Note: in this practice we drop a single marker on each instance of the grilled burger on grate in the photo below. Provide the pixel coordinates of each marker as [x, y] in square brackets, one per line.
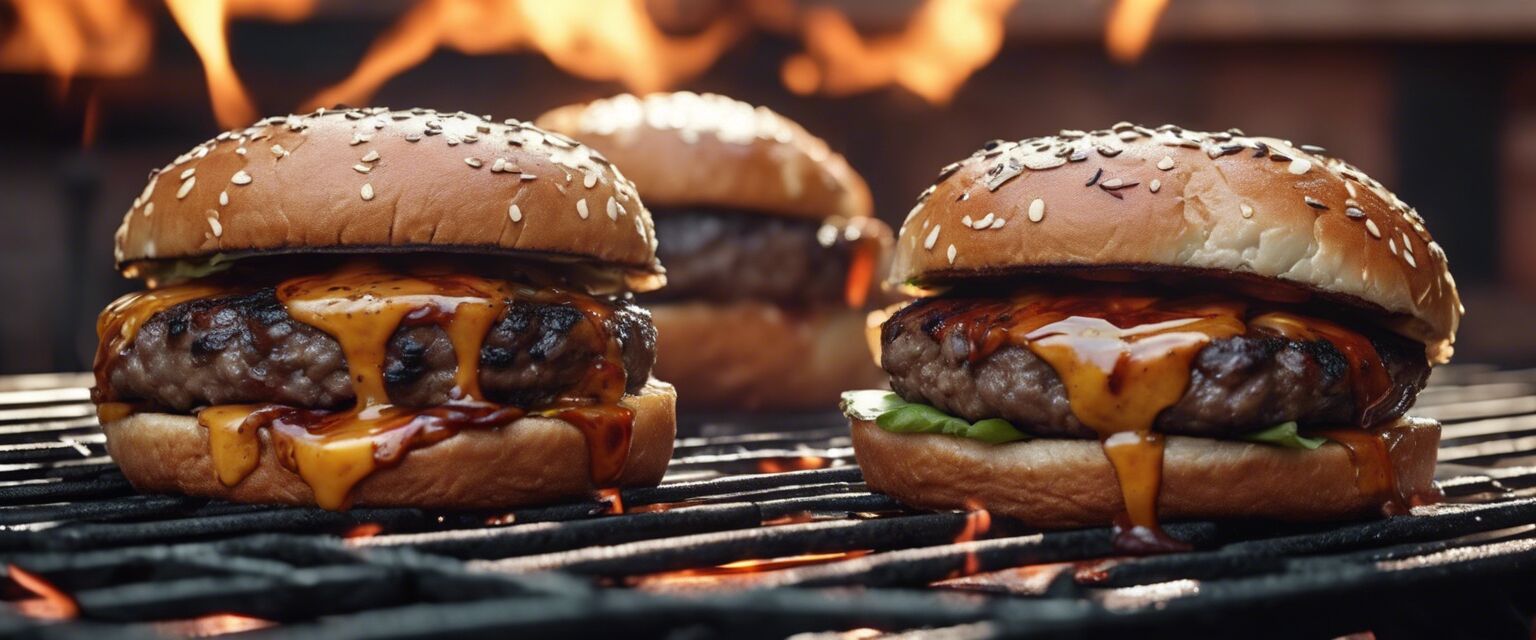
[1240, 323]
[769, 244]
[390, 308]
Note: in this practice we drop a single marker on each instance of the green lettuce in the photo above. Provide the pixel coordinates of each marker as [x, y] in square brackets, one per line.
[890, 412]
[893, 414]
[1285, 435]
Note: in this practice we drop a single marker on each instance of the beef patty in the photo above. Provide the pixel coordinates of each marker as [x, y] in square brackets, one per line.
[729, 256]
[1237, 385]
[245, 348]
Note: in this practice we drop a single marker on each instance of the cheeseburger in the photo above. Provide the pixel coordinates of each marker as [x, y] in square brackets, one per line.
[1133, 324]
[769, 245]
[385, 308]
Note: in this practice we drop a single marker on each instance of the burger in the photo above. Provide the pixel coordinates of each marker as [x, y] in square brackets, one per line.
[1133, 324]
[385, 308]
[769, 245]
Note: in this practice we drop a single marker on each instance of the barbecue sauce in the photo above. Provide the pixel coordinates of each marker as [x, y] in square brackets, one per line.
[362, 307]
[1123, 359]
[119, 324]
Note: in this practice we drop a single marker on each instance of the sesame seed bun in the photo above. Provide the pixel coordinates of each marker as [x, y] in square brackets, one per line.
[1057, 483]
[687, 149]
[359, 180]
[757, 355]
[531, 461]
[1172, 199]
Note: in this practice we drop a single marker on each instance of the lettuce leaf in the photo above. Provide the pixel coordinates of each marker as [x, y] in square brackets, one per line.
[896, 415]
[1285, 435]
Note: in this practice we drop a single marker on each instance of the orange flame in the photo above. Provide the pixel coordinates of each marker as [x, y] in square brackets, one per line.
[1130, 27]
[739, 574]
[51, 603]
[203, 22]
[942, 44]
[612, 40]
[780, 465]
[613, 498]
[70, 37]
[215, 624]
[364, 530]
[977, 522]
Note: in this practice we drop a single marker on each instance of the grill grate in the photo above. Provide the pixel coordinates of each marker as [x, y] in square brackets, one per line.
[758, 532]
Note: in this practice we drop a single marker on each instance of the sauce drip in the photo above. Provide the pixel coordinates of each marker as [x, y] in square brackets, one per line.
[362, 306]
[1123, 359]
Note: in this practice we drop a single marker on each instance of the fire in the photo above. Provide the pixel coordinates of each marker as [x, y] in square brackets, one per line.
[215, 624]
[364, 530]
[610, 40]
[977, 522]
[942, 44]
[66, 38]
[780, 465]
[204, 22]
[50, 603]
[739, 574]
[613, 499]
[1130, 27]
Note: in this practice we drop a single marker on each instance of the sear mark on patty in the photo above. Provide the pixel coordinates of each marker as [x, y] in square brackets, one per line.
[1237, 385]
[245, 348]
[729, 256]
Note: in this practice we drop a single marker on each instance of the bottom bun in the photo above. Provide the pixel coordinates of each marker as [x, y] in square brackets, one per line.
[531, 461]
[757, 355]
[1056, 483]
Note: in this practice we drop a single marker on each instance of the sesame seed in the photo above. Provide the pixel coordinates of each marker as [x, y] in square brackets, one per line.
[527, 176]
[473, 162]
[1247, 210]
[240, 151]
[613, 209]
[279, 151]
[240, 177]
[998, 223]
[951, 254]
[1392, 245]
[1155, 186]
[581, 208]
[1036, 210]
[589, 180]
[149, 209]
[1112, 183]
[361, 168]
[186, 187]
[223, 198]
[1370, 225]
[1350, 187]
[188, 173]
[1408, 257]
[412, 137]
[1354, 212]
[371, 156]
[218, 229]
[1300, 166]
[358, 138]
[1166, 163]
[933, 236]
[966, 221]
[498, 165]
[515, 213]
[1314, 203]
[367, 191]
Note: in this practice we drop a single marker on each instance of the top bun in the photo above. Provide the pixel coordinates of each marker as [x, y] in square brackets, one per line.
[687, 149]
[370, 179]
[1137, 198]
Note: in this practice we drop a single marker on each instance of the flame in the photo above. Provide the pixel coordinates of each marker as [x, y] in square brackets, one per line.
[66, 38]
[611, 40]
[738, 574]
[780, 465]
[203, 22]
[214, 624]
[364, 530]
[1130, 27]
[614, 500]
[942, 44]
[51, 603]
[977, 522]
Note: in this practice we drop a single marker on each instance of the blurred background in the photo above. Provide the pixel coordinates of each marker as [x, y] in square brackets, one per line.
[1436, 98]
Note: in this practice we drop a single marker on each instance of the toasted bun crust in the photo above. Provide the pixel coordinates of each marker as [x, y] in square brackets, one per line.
[754, 355]
[531, 461]
[1221, 202]
[1055, 483]
[365, 178]
[687, 149]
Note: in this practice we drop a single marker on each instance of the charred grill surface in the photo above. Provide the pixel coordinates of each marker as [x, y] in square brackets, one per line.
[729, 256]
[1237, 385]
[245, 348]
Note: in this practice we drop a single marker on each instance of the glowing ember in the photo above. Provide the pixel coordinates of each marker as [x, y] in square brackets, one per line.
[50, 603]
[736, 575]
[613, 499]
[501, 520]
[364, 530]
[780, 465]
[942, 44]
[216, 624]
[1130, 27]
[70, 37]
[612, 40]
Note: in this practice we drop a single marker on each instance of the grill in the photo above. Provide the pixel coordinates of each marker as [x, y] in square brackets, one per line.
[763, 528]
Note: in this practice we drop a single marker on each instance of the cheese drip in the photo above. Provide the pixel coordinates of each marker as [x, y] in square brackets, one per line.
[1123, 359]
[362, 307]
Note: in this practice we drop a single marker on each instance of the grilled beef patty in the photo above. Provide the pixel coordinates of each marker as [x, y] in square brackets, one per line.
[727, 256]
[245, 348]
[1237, 385]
